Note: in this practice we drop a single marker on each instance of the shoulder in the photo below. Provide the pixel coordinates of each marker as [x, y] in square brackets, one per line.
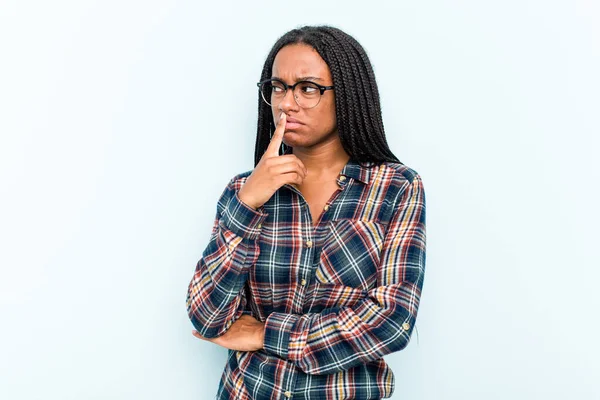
[400, 174]
[406, 186]
[399, 181]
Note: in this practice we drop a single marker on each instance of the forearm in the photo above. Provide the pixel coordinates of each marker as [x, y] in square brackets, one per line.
[341, 338]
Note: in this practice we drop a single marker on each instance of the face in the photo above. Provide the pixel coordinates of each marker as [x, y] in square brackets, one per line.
[298, 62]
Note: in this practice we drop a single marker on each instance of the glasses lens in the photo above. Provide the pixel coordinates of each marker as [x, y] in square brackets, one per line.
[272, 92]
[307, 94]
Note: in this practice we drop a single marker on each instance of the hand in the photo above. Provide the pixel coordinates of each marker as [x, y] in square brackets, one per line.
[272, 171]
[245, 334]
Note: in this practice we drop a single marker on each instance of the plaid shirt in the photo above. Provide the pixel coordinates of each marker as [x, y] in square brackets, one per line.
[335, 297]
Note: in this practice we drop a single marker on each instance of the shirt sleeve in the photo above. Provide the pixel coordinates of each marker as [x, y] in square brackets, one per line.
[216, 292]
[339, 338]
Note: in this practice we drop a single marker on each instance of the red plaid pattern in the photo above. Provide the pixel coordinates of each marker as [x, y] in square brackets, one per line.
[335, 298]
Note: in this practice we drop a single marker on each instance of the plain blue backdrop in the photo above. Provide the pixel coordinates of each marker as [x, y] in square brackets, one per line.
[122, 121]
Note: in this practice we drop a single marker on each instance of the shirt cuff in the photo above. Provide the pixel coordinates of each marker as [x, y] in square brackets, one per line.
[242, 219]
[278, 327]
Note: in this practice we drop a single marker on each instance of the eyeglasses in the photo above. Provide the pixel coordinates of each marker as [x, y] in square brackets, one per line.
[307, 94]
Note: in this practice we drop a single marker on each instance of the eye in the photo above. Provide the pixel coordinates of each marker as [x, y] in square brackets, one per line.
[277, 87]
[309, 88]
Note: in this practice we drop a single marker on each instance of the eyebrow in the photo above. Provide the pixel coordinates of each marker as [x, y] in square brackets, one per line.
[301, 78]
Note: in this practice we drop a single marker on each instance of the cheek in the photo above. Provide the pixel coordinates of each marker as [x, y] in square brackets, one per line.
[333, 117]
[327, 117]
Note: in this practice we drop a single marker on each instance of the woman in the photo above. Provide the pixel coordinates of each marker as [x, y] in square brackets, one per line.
[314, 268]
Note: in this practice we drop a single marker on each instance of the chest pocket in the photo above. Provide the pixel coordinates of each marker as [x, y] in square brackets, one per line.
[351, 253]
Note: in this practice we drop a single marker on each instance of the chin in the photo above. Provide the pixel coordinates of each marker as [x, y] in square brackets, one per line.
[292, 136]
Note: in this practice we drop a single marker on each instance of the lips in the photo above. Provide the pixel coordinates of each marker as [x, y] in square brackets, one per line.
[292, 123]
[294, 120]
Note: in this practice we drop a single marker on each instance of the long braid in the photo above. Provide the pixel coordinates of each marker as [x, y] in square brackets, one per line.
[362, 105]
[357, 103]
[350, 100]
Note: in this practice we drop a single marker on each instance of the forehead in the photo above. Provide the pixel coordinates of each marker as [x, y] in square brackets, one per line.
[299, 60]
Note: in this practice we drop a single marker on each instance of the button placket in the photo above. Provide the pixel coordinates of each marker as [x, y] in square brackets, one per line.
[308, 244]
[302, 283]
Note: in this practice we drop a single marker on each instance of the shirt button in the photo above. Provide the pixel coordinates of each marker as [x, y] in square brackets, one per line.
[288, 394]
[326, 207]
[308, 243]
[342, 178]
[406, 326]
[259, 226]
[303, 282]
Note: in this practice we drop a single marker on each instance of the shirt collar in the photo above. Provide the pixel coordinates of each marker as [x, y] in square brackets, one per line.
[361, 173]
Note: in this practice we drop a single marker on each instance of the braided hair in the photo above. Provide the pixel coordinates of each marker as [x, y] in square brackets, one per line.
[358, 112]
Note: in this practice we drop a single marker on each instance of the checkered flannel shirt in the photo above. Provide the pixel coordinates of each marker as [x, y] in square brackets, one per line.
[336, 297]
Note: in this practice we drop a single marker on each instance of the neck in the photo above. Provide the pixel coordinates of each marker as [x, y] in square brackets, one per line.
[322, 163]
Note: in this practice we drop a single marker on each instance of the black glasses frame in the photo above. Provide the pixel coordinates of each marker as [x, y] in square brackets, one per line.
[322, 88]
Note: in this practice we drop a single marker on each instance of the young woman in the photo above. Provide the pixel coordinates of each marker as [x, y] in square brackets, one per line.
[315, 264]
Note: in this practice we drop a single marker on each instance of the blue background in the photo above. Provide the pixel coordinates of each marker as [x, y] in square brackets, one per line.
[122, 121]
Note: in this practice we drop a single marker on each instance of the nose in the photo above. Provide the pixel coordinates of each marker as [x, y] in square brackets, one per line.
[288, 102]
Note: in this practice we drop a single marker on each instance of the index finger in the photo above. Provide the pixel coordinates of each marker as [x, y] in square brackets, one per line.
[275, 143]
